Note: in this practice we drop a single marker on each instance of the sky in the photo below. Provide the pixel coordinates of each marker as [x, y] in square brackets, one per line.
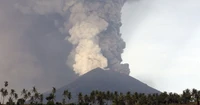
[32, 50]
[163, 43]
[162, 38]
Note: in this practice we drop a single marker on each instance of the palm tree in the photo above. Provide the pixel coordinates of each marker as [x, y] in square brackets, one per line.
[128, 99]
[51, 97]
[24, 91]
[150, 99]
[65, 94]
[28, 94]
[63, 101]
[163, 98]
[176, 98]
[20, 101]
[86, 99]
[142, 99]
[36, 97]
[69, 96]
[4, 94]
[6, 83]
[195, 95]
[32, 100]
[100, 97]
[136, 95]
[15, 96]
[10, 101]
[53, 90]
[34, 90]
[80, 98]
[92, 97]
[121, 99]
[2, 90]
[41, 98]
[53, 93]
[107, 96]
[25, 97]
[12, 93]
[186, 96]
[198, 94]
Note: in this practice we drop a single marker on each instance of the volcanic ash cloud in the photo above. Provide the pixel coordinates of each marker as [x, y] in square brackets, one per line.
[92, 27]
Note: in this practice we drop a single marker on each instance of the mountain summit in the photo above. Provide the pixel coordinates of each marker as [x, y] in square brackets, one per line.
[105, 80]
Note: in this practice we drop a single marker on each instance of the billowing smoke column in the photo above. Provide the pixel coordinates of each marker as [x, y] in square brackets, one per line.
[84, 36]
[94, 32]
[92, 27]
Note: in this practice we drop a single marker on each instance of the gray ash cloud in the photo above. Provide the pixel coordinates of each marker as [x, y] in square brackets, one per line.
[91, 26]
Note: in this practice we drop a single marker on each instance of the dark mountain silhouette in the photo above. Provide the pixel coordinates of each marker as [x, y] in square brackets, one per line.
[105, 80]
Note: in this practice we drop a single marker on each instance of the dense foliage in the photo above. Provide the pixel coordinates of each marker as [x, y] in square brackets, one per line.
[33, 97]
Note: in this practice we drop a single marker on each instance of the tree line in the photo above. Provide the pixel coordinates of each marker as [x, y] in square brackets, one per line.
[33, 97]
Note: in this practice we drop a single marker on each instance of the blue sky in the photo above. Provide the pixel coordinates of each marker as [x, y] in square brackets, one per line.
[163, 43]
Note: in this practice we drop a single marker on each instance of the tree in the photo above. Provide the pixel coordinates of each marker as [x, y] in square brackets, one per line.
[195, 95]
[92, 97]
[198, 94]
[53, 90]
[142, 99]
[80, 98]
[128, 99]
[12, 92]
[4, 91]
[34, 90]
[121, 99]
[15, 96]
[63, 101]
[51, 97]
[41, 98]
[4, 94]
[32, 100]
[107, 97]
[67, 95]
[10, 101]
[24, 92]
[186, 96]
[36, 97]
[20, 101]
[6, 83]
[86, 99]
[100, 97]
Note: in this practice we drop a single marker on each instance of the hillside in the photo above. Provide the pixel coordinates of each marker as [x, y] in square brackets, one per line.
[102, 80]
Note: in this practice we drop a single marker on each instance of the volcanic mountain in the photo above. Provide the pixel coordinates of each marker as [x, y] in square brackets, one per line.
[105, 80]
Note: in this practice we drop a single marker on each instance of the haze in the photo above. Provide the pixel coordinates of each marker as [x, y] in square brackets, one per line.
[161, 37]
[163, 43]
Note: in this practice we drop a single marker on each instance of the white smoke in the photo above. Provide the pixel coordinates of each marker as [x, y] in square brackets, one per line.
[87, 52]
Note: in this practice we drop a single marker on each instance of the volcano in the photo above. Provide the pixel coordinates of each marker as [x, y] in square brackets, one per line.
[105, 80]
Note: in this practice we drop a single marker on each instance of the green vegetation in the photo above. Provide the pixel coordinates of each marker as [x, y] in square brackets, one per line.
[33, 97]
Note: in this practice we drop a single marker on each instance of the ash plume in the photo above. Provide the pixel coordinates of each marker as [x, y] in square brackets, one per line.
[91, 26]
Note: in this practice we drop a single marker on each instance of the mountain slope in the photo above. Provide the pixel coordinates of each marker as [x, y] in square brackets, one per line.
[102, 80]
